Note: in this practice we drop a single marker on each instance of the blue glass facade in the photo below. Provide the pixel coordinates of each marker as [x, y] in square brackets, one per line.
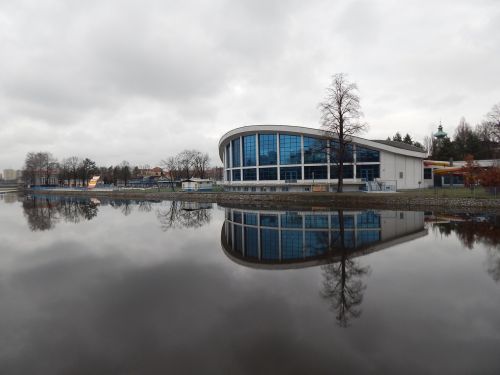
[260, 150]
[236, 174]
[367, 155]
[335, 154]
[268, 174]
[249, 151]
[290, 149]
[315, 150]
[288, 236]
[368, 172]
[348, 171]
[290, 173]
[316, 172]
[236, 152]
[249, 174]
[267, 149]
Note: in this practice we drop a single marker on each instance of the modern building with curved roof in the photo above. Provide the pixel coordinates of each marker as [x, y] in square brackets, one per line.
[294, 158]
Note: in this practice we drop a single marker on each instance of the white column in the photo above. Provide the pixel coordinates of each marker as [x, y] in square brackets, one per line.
[257, 155]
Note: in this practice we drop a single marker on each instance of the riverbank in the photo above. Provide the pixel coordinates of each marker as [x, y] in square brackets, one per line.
[402, 201]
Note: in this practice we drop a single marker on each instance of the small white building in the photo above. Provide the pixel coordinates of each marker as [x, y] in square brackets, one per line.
[196, 184]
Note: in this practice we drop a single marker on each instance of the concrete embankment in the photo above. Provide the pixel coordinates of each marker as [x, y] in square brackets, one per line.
[400, 201]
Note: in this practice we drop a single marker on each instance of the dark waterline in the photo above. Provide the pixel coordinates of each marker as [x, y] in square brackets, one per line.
[128, 287]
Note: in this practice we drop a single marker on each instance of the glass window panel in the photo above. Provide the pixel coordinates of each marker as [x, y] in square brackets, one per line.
[335, 152]
[238, 240]
[368, 219]
[291, 220]
[236, 174]
[236, 152]
[366, 237]
[268, 220]
[250, 218]
[290, 149]
[366, 155]
[290, 173]
[343, 240]
[428, 173]
[251, 243]
[317, 172]
[237, 216]
[348, 221]
[314, 150]
[227, 156]
[269, 244]
[291, 244]
[368, 172]
[316, 221]
[250, 174]
[249, 151]
[316, 243]
[348, 171]
[268, 174]
[267, 149]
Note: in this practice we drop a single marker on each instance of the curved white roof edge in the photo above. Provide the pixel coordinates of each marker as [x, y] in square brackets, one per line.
[250, 129]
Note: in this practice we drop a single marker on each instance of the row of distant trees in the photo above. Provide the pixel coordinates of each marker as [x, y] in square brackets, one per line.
[406, 139]
[481, 141]
[44, 166]
[186, 164]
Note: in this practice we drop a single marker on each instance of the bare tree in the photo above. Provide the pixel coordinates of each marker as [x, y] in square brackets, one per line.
[340, 120]
[493, 120]
[200, 164]
[171, 165]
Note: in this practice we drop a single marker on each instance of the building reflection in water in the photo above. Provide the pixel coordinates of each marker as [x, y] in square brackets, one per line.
[332, 239]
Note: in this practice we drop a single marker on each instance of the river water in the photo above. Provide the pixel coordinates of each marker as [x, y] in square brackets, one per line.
[96, 286]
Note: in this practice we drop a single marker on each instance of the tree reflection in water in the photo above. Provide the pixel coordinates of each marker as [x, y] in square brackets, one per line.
[183, 215]
[471, 230]
[343, 283]
[43, 213]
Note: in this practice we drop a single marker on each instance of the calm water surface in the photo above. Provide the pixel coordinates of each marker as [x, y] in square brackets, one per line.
[122, 287]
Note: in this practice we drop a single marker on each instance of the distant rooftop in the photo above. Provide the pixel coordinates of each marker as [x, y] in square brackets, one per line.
[402, 145]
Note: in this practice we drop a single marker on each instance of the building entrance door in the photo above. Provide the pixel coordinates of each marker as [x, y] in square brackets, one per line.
[367, 174]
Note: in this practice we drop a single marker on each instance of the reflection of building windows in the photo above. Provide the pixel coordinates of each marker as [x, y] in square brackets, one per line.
[267, 149]
[348, 171]
[342, 240]
[366, 155]
[317, 172]
[348, 221]
[237, 216]
[251, 242]
[316, 221]
[236, 152]
[335, 152]
[368, 219]
[269, 243]
[366, 237]
[427, 173]
[237, 175]
[227, 156]
[268, 173]
[238, 240]
[290, 173]
[316, 243]
[291, 244]
[291, 220]
[250, 218]
[249, 157]
[368, 172]
[314, 150]
[268, 220]
[290, 149]
[249, 174]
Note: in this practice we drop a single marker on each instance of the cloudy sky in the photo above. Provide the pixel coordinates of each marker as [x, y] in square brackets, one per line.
[141, 80]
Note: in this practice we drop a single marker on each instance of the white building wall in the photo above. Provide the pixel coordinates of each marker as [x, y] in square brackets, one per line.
[398, 223]
[391, 165]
